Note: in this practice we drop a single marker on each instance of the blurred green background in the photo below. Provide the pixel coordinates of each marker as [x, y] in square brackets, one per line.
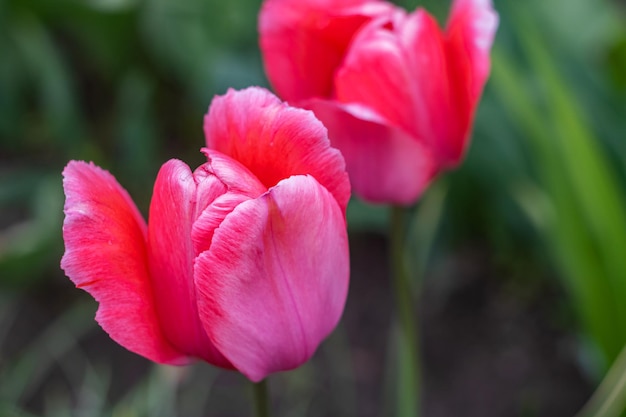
[125, 83]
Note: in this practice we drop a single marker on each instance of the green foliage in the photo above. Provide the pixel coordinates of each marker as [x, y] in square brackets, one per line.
[583, 215]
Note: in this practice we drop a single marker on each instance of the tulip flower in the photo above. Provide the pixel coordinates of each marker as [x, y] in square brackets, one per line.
[243, 262]
[397, 93]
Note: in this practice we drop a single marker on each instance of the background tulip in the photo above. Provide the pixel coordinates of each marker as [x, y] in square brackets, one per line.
[397, 93]
[244, 262]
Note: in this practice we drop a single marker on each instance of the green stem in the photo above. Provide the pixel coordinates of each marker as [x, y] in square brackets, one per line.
[408, 383]
[261, 399]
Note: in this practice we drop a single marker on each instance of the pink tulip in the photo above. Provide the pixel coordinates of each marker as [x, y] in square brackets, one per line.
[397, 94]
[244, 261]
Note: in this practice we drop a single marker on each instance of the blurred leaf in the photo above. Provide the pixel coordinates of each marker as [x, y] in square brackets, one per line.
[236, 71]
[104, 29]
[155, 396]
[16, 184]
[113, 5]
[55, 90]
[166, 27]
[28, 247]
[137, 140]
[588, 227]
[233, 23]
[617, 62]
[424, 225]
[591, 176]
[110, 38]
[363, 216]
[564, 233]
[609, 399]
[437, 8]
[11, 97]
[581, 25]
[92, 396]
[219, 40]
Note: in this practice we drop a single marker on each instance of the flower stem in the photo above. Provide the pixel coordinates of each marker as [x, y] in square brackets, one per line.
[408, 366]
[261, 399]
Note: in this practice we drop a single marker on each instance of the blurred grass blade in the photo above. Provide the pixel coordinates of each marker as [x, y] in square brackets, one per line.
[570, 230]
[425, 224]
[155, 396]
[92, 395]
[588, 171]
[593, 181]
[609, 400]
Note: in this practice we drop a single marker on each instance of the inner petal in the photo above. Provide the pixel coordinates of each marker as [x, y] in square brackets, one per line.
[238, 185]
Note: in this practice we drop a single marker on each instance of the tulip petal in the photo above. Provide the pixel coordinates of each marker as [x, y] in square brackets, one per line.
[385, 164]
[470, 33]
[397, 68]
[240, 185]
[275, 279]
[105, 255]
[469, 36]
[275, 141]
[426, 83]
[171, 255]
[235, 176]
[304, 41]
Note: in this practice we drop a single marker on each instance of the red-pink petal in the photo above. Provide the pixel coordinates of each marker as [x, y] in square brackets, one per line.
[275, 141]
[274, 282]
[240, 185]
[469, 37]
[171, 256]
[385, 164]
[419, 79]
[397, 69]
[105, 254]
[304, 41]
